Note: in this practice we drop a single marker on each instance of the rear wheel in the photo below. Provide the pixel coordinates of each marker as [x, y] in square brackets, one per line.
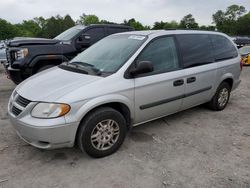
[102, 132]
[221, 97]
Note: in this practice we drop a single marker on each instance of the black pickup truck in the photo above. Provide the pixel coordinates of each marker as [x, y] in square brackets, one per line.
[27, 56]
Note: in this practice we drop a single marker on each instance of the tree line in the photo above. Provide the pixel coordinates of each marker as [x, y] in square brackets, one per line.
[235, 21]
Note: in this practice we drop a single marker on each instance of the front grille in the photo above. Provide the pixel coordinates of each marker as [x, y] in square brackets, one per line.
[18, 104]
[16, 111]
[22, 101]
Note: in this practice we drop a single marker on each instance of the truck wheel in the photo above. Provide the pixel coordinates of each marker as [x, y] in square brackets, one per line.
[45, 67]
[102, 132]
[221, 97]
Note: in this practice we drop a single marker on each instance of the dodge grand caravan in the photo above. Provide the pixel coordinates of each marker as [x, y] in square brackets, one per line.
[121, 81]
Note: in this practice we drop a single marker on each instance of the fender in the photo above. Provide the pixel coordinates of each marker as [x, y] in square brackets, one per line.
[226, 76]
[46, 57]
[99, 101]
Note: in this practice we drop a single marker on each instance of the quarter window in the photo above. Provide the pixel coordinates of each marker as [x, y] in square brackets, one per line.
[196, 49]
[162, 54]
[223, 48]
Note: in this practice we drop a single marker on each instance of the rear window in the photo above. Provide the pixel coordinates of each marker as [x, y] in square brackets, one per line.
[196, 49]
[223, 48]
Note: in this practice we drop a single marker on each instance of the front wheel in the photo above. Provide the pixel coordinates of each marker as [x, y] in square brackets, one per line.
[221, 97]
[102, 132]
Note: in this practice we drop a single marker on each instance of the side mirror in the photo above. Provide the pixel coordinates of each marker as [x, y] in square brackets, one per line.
[83, 40]
[142, 67]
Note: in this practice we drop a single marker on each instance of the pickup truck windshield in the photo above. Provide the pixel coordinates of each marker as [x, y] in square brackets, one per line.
[69, 33]
[109, 54]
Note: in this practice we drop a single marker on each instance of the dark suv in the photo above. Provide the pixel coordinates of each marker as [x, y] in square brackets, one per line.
[27, 56]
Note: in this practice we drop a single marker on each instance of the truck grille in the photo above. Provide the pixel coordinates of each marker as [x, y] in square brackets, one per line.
[18, 104]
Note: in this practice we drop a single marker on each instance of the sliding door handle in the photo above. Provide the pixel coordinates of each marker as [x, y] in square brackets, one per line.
[191, 79]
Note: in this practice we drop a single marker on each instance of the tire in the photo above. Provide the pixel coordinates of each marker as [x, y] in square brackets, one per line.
[217, 103]
[105, 140]
[44, 68]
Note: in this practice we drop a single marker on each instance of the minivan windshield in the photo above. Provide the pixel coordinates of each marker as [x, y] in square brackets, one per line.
[69, 33]
[109, 54]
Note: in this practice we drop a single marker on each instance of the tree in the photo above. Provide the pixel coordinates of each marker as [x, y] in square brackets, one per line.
[158, 25]
[68, 22]
[227, 21]
[188, 22]
[243, 25]
[88, 19]
[233, 12]
[171, 25]
[28, 28]
[135, 24]
[7, 30]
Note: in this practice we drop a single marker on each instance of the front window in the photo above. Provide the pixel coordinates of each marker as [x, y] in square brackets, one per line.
[69, 33]
[109, 54]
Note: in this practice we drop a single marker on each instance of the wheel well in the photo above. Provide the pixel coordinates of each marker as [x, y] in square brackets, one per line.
[229, 81]
[120, 107]
[45, 62]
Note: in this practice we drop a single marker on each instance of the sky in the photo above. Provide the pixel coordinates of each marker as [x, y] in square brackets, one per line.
[145, 11]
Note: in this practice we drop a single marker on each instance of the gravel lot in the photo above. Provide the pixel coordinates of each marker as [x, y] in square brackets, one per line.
[194, 148]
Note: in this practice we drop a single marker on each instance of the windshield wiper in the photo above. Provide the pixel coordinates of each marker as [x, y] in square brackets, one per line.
[87, 65]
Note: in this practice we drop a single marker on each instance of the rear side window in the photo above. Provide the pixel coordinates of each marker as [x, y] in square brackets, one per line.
[162, 54]
[112, 30]
[196, 49]
[223, 48]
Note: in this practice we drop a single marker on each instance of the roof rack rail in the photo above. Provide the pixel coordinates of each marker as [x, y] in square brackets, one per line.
[170, 29]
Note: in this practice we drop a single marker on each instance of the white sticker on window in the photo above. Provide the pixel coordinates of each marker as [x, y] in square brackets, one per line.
[136, 37]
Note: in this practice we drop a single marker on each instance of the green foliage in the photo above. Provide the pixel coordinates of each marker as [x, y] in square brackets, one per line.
[55, 25]
[7, 30]
[165, 25]
[233, 21]
[135, 24]
[243, 25]
[188, 22]
[88, 19]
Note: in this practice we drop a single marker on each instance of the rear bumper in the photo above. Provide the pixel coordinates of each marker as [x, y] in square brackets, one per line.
[51, 137]
[236, 84]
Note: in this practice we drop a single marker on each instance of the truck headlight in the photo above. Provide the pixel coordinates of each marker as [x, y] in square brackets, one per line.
[22, 53]
[50, 110]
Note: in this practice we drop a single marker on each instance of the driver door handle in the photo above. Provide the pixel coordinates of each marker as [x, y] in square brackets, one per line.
[178, 82]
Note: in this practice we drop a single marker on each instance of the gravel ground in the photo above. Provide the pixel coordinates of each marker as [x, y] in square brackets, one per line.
[194, 148]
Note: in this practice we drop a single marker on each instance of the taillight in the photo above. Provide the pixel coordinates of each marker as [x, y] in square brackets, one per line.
[241, 64]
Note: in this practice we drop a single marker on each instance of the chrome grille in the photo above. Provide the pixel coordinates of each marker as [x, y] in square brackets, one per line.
[15, 111]
[18, 104]
[22, 101]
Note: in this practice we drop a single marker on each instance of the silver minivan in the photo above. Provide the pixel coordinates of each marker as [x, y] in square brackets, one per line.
[122, 81]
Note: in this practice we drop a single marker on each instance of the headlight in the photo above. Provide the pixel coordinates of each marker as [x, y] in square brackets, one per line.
[22, 53]
[50, 110]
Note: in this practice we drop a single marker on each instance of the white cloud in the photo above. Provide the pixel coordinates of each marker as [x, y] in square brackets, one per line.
[146, 11]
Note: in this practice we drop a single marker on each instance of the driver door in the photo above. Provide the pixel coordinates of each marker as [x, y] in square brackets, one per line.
[160, 92]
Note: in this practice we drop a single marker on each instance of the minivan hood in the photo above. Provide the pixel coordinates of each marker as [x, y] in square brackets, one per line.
[31, 41]
[53, 83]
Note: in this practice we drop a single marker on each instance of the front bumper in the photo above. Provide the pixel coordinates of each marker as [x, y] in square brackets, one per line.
[45, 137]
[13, 74]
